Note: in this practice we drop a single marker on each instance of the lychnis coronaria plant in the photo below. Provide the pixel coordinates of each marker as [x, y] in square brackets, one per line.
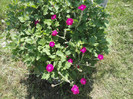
[58, 39]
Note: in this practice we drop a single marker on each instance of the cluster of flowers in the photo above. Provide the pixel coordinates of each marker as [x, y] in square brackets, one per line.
[50, 67]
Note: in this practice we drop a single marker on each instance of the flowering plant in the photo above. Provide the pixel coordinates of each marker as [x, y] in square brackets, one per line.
[58, 39]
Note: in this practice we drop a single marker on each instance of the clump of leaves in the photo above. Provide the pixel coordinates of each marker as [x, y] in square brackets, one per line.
[58, 39]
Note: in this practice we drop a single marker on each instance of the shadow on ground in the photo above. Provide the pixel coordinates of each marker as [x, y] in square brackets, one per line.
[41, 89]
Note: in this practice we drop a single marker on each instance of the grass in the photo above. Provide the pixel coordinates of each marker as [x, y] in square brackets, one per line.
[114, 76]
[3, 7]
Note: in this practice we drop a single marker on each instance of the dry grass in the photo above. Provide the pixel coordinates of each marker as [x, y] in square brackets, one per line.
[10, 75]
[114, 76]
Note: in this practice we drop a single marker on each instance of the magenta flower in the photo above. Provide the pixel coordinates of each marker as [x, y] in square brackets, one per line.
[53, 17]
[75, 89]
[82, 7]
[100, 57]
[83, 81]
[52, 44]
[83, 50]
[54, 33]
[70, 61]
[69, 21]
[36, 22]
[49, 67]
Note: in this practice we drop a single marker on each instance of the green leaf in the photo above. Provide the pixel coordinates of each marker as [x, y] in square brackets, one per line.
[48, 22]
[67, 66]
[92, 40]
[95, 54]
[61, 54]
[53, 74]
[55, 38]
[68, 52]
[38, 26]
[75, 20]
[28, 40]
[89, 49]
[30, 4]
[40, 48]
[21, 19]
[67, 29]
[74, 74]
[59, 65]
[68, 11]
[96, 44]
[52, 56]
[56, 7]
[42, 42]
[68, 16]
[38, 57]
[46, 76]
[55, 63]
[56, 24]
[66, 75]
[45, 10]
[47, 51]
[57, 45]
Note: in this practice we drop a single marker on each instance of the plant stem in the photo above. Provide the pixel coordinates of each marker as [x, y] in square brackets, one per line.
[62, 38]
[79, 19]
[65, 34]
[64, 77]
[87, 65]
[78, 56]
[56, 84]
[81, 59]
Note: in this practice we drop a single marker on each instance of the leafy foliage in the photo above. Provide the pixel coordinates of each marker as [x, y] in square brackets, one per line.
[31, 41]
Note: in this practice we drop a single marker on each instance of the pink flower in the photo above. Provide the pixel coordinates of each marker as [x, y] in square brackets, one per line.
[36, 22]
[70, 61]
[75, 89]
[83, 81]
[52, 44]
[49, 67]
[82, 7]
[69, 21]
[100, 57]
[83, 50]
[54, 33]
[53, 17]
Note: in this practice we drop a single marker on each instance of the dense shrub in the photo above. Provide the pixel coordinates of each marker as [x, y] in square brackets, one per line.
[58, 39]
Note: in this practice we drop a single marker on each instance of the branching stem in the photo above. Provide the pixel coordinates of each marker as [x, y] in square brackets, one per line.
[64, 77]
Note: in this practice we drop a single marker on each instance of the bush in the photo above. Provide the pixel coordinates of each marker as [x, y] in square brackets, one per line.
[58, 39]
